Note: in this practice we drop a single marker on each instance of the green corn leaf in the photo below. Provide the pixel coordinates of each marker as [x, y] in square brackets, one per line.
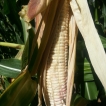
[28, 48]
[10, 7]
[78, 100]
[103, 39]
[104, 14]
[25, 28]
[86, 80]
[10, 67]
[20, 92]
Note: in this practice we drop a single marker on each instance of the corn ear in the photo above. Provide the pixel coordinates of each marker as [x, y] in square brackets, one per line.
[57, 64]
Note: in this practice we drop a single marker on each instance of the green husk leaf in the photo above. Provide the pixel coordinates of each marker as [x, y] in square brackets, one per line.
[27, 50]
[20, 92]
[78, 100]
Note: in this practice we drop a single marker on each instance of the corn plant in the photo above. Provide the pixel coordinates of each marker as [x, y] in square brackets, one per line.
[49, 57]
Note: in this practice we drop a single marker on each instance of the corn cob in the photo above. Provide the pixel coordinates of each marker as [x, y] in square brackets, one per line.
[57, 64]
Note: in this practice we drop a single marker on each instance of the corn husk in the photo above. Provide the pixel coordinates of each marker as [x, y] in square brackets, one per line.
[92, 41]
